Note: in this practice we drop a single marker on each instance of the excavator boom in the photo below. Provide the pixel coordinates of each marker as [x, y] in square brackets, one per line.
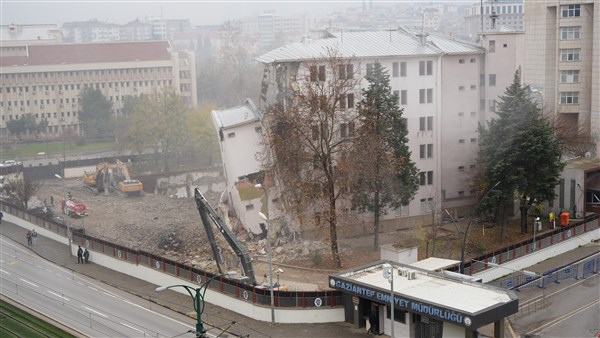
[206, 212]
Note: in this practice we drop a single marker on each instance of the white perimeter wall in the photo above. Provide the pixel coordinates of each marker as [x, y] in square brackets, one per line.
[257, 312]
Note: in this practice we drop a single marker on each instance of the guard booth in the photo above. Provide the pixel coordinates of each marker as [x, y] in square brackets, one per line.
[426, 303]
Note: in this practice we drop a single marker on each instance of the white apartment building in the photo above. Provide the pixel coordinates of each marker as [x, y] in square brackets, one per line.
[240, 142]
[563, 60]
[441, 84]
[509, 13]
[46, 80]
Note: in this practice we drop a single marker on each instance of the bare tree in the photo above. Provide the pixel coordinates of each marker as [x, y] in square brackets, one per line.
[19, 190]
[310, 138]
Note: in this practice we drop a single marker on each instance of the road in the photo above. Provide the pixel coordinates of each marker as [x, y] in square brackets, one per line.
[571, 309]
[92, 308]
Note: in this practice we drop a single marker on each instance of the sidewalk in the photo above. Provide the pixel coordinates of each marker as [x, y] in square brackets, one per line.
[58, 253]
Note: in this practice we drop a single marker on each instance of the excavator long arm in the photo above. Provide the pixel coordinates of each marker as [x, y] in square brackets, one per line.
[207, 211]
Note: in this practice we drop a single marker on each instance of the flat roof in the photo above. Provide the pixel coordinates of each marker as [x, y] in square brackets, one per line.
[460, 301]
[434, 263]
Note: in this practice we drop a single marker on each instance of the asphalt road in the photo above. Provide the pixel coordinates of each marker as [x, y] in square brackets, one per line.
[570, 309]
[92, 308]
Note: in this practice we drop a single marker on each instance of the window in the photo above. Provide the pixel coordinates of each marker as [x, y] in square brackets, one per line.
[315, 133]
[461, 60]
[568, 11]
[425, 68]
[569, 97]
[370, 67]
[569, 33]
[492, 46]
[430, 178]
[569, 76]
[322, 73]
[343, 130]
[461, 88]
[403, 95]
[461, 168]
[422, 178]
[429, 123]
[430, 95]
[473, 140]
[397, 95]
[350, 103]
[473, 60]
[493, 105]
[461, 114]
[395, 69]
[569, 54]
[313, 73]
[426, 150]
[461, 141]
[422, 95]
[422, 124]
[492, 80]
[346, 71]
[403, 69]
[399, 315]
[473, 87]
[426, 204]
[342, 101]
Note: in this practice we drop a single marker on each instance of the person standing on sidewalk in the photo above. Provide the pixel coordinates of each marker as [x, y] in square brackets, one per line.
[86, 255]
[34, 237]
[52, 200]
[29, 238]
[1, 216]
[79, 255]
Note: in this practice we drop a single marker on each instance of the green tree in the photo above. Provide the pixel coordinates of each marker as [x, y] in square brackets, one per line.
[203, 138]
[96, 116]
[159, 122]
[31, 124]
[383, 174]
[308, 144]
[520, 150]
[16, 127]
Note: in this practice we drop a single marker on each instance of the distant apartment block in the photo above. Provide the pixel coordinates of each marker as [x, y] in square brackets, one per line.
[98, 31]
[20, 35]
[562, 59]
[46, 80]
[500, 13]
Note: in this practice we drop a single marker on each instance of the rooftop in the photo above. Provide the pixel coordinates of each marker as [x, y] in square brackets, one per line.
[400, 42]
[227, 118]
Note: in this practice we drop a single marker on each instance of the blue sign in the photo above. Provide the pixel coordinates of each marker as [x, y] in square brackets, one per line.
[509, 283]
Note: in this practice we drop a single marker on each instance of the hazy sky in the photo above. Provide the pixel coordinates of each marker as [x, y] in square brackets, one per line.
[121, 11]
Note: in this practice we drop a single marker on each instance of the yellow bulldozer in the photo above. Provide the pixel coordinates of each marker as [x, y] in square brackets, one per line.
[113, 177]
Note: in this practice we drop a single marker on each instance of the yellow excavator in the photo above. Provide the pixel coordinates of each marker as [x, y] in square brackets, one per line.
[114, 177]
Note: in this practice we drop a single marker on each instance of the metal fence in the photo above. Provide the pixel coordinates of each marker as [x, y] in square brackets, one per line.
[239, 290]
[521, 280]
[524, 248]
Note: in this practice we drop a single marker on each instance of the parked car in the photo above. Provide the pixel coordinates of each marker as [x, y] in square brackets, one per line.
[10, 163]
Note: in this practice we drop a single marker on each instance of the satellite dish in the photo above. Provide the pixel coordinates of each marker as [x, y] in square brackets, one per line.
[588, 154]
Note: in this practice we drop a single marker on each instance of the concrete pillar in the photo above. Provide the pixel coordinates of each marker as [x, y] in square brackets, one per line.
[499, 329]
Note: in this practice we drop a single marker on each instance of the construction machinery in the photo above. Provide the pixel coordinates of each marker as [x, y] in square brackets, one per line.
[113, 177]
[207, 214]
[73, 208]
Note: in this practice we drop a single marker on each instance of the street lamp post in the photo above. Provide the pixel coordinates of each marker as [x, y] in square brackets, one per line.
[464, 239]
[197, 295]
[69, 234]
[266, 219]
[388, 273]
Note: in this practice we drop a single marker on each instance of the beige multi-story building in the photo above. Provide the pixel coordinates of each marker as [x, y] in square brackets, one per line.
[46, 80]
[563, 60]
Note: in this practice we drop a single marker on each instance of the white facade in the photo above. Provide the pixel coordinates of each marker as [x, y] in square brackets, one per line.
[240, 138]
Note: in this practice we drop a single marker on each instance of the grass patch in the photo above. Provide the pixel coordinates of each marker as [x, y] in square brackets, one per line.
[17, 151]
[18, 323]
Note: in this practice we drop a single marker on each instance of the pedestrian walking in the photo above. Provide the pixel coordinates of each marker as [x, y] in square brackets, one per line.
[29, 238]
[52, 200]
[79, 255]
[1, 216]
[86, 255]
[34, 237]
